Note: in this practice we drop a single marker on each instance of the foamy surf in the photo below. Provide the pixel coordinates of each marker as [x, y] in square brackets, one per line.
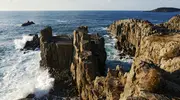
[20, 75]
[20, 43]
[113, 58]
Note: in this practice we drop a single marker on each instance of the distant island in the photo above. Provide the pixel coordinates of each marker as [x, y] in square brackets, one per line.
[166, 9]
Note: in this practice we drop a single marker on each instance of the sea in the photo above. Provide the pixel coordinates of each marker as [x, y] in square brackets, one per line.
[20, 74]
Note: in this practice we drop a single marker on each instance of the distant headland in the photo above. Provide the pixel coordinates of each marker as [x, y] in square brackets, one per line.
[165, 9]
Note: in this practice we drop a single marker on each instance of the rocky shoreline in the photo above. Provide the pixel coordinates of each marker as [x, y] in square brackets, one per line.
[78, 63]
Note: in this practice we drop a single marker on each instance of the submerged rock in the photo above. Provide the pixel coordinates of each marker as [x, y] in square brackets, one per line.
[28, 23]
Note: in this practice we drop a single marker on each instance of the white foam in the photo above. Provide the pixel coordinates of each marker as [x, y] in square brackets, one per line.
[20, 43]
[22, 75]
[113, 58]
[61, 21]
[100, 28]
[104, 28]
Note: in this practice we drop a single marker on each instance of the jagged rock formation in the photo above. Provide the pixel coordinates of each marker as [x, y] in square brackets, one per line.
[173, 24]
[33, 44]
[56, 55]
[89, 59]
[154, 74]
[155, 71]
[131, 31]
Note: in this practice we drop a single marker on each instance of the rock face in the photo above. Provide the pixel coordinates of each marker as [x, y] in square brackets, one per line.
[173, 24]
[155, 71]
[130, 32]
[33, 44]
[56, 55]
[154, 74]
[89, 59]
[166, 9]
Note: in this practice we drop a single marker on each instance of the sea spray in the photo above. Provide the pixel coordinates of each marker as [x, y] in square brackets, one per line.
[20, 43]
[21, 75]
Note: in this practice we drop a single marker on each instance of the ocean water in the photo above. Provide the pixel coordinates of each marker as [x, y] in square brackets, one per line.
[20, 73]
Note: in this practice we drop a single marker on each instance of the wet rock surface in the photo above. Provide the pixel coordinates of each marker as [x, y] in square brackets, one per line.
[34, 44]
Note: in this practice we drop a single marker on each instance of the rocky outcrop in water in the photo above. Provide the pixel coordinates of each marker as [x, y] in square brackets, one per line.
[28, 23]
[56, 55]
[34, 44]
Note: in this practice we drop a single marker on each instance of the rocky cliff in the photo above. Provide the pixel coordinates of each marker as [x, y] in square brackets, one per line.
[89, 59]
[130, 32]
[155, 71]
[78, 63]
[154, 74]
[56, 55]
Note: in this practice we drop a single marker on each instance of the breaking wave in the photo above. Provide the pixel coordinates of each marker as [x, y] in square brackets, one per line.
[113, 58]
[20, 74]
[20, 43]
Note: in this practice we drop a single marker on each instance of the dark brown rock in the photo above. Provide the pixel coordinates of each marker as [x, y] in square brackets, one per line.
[28, 23]
[33, 44]
[56, 55]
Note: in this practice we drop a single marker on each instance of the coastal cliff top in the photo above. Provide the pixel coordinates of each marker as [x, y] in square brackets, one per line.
[166, 9]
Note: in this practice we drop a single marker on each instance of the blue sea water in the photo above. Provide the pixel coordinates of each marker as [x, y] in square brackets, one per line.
[20, 73]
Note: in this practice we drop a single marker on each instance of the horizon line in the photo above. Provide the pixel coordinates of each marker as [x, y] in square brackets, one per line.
[74, 10]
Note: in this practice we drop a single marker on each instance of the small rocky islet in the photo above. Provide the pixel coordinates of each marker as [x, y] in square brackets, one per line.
[165, 9]
[77, 62]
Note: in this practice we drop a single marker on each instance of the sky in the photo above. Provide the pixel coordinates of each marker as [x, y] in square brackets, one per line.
[10, 5]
